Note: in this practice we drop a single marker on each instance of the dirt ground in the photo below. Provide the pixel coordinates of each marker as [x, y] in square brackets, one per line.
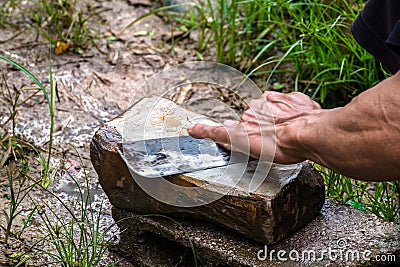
[92, 88]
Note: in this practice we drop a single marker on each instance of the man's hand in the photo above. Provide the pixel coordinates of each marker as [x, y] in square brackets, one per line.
[262, 131]
[360, 140]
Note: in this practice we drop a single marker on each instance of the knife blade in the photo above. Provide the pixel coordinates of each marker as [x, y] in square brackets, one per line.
[179, 154]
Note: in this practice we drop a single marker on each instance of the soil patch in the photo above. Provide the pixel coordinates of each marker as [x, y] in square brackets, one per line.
[92, 88]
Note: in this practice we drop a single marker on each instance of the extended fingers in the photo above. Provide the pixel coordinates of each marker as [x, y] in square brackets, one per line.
[216, 133]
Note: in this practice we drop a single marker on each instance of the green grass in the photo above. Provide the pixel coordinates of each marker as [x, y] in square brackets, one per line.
[67, 23]
[330, 66]
[7, 9]
[46, 174]
[13, 148]
[76, 234]
[309, 40]
[19, 188]
[380, 198]
[77, 239]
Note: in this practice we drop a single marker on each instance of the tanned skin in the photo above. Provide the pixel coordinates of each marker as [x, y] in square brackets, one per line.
[360, 140]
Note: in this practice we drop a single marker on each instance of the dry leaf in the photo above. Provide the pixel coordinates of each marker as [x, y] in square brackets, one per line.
[183, 94]
[140, 33]
[61, 47]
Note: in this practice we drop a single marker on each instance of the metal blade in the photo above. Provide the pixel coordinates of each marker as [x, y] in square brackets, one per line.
[180, 154]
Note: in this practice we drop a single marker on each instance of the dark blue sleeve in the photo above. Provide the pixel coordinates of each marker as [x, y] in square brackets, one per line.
[377, 29]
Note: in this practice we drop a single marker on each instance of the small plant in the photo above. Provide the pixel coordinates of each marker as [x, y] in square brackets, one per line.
[230, 28]
[385, 201]
[7, 8]
[76, 236]
[13, 149]
[64, 25]
[380, 198]
[342, 188]
[12, 158]
[239, 35]
[19, 188]
[46, 172]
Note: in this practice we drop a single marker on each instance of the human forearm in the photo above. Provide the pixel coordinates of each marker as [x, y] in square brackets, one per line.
[360, 140]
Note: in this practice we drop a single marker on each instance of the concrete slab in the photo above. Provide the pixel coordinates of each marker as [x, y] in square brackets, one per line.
[339, 236]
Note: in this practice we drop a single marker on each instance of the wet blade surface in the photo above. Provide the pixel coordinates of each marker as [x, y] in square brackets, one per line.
[174, 155]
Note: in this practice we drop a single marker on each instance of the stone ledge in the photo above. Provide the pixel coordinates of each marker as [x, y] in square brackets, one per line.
[215, 246]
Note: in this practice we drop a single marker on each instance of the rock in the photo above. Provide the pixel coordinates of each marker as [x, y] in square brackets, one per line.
[287, 199]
